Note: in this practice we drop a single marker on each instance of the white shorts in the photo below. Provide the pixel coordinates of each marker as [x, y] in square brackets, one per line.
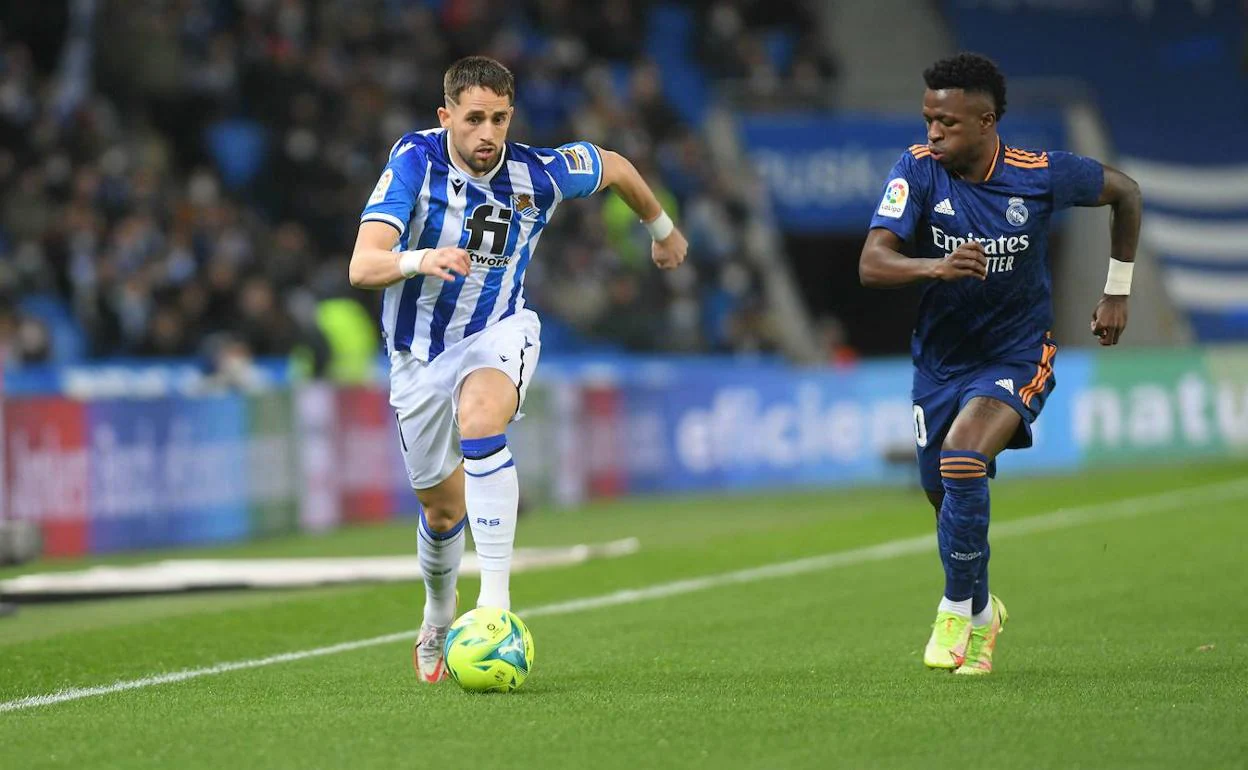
[425, 396]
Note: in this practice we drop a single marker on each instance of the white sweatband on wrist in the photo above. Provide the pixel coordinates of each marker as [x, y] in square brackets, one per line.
[1119, 280]
[661, 226]
[410, 261]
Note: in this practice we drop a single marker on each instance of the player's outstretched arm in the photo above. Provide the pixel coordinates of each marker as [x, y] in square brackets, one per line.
[669, 247]
[375, 264]
[1121, 193]
[882, 265]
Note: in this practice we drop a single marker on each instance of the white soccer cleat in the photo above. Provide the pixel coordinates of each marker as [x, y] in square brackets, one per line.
[427, 654]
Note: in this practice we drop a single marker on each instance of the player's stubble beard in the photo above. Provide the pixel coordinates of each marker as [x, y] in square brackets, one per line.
[472, 161]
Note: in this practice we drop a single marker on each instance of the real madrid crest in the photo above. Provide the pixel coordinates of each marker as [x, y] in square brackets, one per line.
[1016, 212]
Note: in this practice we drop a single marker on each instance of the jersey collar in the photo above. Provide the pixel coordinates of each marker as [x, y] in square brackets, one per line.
[486, 177]
[996, 160]
[992, 169]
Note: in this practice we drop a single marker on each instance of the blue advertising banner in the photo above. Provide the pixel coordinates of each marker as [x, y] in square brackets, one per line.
[826, 172]
[129, 378]
[166, 472]
[133, 474]
[742, 429]
[126, 442]
[206, 470]
[707, 427]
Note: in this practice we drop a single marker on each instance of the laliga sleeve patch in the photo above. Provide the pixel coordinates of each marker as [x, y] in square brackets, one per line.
[383, 186]
[895, 196]
[577, 158]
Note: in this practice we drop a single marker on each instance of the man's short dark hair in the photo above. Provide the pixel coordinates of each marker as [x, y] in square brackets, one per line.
[479, 71]
[971, 72]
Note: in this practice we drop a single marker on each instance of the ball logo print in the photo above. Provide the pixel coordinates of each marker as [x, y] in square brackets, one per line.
[489, 650]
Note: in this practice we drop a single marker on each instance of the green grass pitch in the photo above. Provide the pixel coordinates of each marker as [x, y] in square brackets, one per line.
[1127, 646]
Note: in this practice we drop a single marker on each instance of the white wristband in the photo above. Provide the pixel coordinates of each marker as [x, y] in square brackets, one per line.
[661, 226]
[1119, 280]
[410, 262]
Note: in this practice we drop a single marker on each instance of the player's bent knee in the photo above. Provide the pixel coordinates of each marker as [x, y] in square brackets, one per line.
[984, 425]
[482, 421]
[487, 402]
[442, 505]
[953, 443]
[485, 413]
[442, 518]
[966, 439]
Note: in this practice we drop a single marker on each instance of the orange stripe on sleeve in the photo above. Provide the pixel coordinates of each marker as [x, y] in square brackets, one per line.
[1018, 164]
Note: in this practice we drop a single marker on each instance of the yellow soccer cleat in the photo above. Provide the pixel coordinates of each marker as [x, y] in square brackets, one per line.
[983, 641]
[947, 647]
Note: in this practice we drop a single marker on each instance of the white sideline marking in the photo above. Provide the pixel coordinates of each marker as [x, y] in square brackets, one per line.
[1058, 519]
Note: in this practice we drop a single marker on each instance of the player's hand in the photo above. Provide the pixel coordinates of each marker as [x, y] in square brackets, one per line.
[446, 263]
[1110, 318]
[669, 252]
[967, 261]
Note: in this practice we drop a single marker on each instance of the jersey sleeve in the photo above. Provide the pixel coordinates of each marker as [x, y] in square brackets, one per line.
[1076, 180]
[577, 168]
[394, 198]
[903, 201]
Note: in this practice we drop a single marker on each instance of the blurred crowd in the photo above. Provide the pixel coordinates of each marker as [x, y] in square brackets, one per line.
[771, 54]
[184, 177]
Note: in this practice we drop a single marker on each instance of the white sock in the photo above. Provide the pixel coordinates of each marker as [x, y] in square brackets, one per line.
[984, 616]
[492, 491]
[440, 554]
[962, 608]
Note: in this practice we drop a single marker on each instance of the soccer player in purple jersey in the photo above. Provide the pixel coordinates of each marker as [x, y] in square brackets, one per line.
[448, 233]
[977, 212]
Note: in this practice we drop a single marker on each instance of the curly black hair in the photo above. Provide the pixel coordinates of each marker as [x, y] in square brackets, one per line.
[970, 72]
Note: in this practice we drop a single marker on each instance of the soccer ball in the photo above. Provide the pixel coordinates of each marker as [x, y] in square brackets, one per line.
[489, 650]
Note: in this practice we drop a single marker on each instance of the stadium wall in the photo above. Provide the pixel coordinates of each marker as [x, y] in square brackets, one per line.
[112, 474]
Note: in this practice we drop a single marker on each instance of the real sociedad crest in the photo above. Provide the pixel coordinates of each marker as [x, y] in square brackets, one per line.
[1015, 212]
[523, 203]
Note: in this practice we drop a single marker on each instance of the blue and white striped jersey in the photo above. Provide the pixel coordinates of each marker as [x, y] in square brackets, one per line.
[497, 218]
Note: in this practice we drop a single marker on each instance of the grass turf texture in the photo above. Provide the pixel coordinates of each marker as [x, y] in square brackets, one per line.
[1126, 647]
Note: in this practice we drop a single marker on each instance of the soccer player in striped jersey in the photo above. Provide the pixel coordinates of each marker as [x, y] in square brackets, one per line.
[448, 233]
[977, 212]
